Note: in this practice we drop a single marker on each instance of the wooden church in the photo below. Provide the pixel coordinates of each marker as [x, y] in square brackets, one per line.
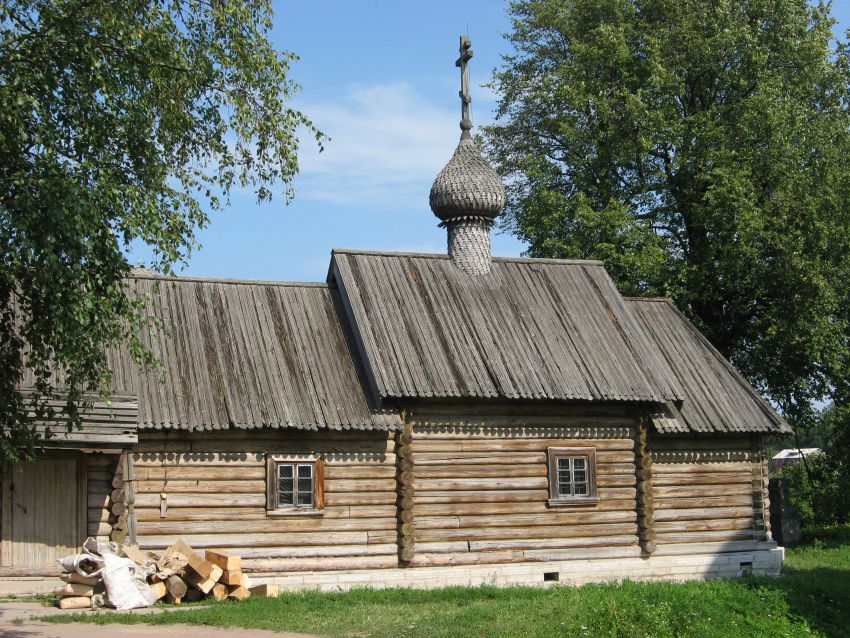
[416, 420]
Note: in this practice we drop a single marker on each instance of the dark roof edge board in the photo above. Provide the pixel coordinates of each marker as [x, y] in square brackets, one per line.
[521, 260]
[352, 330]
[783, 426]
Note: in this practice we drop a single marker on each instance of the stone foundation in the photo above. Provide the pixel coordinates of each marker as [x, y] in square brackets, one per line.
[677, 563]
[765, 560]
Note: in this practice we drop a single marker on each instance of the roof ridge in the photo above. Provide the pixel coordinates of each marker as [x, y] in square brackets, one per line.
[232, 280]
[529, 260]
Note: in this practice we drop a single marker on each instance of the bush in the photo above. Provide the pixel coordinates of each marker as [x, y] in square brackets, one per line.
[821, 498]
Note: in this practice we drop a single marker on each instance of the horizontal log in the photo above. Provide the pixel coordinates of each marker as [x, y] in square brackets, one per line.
[357, 485]
[294, 524]
[716, 478]
[255, 472]
[619, 529]
[669, 538]
[703, 513]
[533, 483]
[532, 543]
[202, 500]
[530, 507]
[360, 498]
[703, 525]
[691, 491]
[508, 495]
[260, 566]
[554, 517]
[740, 500]
[219, 541]
[333, 471]
[315, 551]
[479, 471]
[460, 458]
[200, 487]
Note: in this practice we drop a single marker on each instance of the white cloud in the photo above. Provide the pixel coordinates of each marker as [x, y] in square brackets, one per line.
[388, 144]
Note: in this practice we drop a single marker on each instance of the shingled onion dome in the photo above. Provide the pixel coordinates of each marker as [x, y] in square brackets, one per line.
[468, 194]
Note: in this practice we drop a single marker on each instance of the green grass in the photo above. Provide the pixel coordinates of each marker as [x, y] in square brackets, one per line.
[811, 599]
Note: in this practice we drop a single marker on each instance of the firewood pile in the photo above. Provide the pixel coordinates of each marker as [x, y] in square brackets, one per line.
[128, 578]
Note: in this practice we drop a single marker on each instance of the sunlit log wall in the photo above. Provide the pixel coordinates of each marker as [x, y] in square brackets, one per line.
[209, 489]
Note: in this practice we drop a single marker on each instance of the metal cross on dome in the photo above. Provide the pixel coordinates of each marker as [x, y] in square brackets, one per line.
[465, 98]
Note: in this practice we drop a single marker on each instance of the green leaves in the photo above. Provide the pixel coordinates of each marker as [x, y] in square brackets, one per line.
[120, 122]
[699, 148]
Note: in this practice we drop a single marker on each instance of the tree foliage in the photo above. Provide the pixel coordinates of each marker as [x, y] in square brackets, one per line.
[698, 147]
[120, 122]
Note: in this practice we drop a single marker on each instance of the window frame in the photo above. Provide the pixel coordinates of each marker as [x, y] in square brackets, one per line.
[553, 455]
[273, 463]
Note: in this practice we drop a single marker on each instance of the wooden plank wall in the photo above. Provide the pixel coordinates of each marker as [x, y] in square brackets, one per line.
[214, 488]
[704, 490]
[481, 489]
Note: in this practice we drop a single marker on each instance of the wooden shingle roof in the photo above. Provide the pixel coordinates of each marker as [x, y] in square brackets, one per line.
[246, 354]
[717, 397]
[531, 329]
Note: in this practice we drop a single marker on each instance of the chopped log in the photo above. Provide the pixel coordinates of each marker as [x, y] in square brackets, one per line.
[159, 588]
[269, 590]
[118, 508]
[232, 577]
[74, 602]
[118, 481]
[204, 584]
[239, 593]
[74, 577]
[75, 589]
[118, 495]
[176, 586]
[219, 592]
[225, 560]
[203, 568]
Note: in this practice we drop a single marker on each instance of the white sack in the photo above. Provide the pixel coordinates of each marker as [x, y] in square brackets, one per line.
[121, 586]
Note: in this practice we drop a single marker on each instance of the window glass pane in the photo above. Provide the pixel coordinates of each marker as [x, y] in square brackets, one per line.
[578, 463]
[564, 465]
[580, 476]
[285, 485]
[305, 471]
[305, 494]
[580, 489]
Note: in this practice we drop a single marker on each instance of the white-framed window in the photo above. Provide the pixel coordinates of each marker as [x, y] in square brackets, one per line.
[572, 476]
[294, 484]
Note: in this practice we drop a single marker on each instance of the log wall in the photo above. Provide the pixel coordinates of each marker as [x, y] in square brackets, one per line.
[104, 480]
[709, 491]
[209, 489]
[481, 489]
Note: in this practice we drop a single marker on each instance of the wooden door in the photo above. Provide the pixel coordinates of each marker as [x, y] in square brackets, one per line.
[43, 510]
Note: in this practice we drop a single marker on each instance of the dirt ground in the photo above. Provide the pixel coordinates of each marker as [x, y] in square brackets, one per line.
[15, 623]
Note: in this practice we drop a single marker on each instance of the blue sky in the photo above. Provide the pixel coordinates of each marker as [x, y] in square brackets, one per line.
[378, 76]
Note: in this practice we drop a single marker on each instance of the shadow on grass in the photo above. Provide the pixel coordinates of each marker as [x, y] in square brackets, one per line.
[820, 596]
